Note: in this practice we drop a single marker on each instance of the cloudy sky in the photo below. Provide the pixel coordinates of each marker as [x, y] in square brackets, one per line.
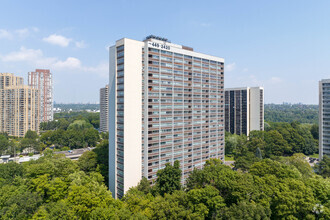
[281, 45]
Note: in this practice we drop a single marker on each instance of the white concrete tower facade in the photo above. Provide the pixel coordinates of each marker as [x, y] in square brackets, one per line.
[324, 118]
[256, 108]
[166, 104]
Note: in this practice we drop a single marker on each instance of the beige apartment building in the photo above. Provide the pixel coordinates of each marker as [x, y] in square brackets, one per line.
[166, 103]
[104, 109]
[19, 106]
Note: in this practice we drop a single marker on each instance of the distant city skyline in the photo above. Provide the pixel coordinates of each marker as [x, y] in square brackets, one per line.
[280, 45]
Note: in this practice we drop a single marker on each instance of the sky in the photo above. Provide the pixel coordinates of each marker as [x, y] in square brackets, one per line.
[281, 45]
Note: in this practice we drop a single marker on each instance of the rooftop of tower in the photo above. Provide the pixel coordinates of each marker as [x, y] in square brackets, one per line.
[157, 38]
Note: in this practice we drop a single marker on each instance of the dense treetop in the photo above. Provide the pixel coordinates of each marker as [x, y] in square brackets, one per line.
[291, 112]
[270, 178]
[55, 187]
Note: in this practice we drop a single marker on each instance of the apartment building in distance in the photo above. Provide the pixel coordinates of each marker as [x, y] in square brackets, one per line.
[324, 118]
[244, 110]
[42, 80]
[166, 104]
[104, 109]
[19, 106]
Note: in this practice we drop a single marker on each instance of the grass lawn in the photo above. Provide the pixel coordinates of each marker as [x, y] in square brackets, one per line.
[314, 155]
[229, 158]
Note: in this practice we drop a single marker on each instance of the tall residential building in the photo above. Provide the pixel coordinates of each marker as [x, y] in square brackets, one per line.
[104, 109]
[166, 104]
[41, 79]
[19, 106]
[244, 110]
[324, 118]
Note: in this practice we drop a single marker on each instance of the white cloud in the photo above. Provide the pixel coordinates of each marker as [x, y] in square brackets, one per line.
[37, 59]
[69, 63]
[22, 55]
[57, 40]
[80, 44]
[63, 41]
[230, 67]
[23, 32]
[4, 34]
[275, 79]
[31, 56]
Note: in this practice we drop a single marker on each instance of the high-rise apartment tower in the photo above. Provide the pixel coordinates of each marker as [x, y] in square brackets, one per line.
[41, 79]
[104, 109]
[19, 106]
[166, 104]
[244, 110]
[324, 118]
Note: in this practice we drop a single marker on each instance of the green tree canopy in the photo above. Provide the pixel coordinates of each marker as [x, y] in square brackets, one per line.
[323, 167]
[169, 178]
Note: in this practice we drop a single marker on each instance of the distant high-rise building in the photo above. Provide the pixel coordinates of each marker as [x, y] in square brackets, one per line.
[104, 109]
[244, 110]
[41, 79]
[19, 106]
[166, 104]
[324, 118]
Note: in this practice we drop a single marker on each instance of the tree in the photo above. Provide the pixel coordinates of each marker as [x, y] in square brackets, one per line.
[87, 162]
[289, 113]
[256, 143]
[305, 131]
[299, 162]
[19, 203]
[169, 178]
[63, 124]
[30, 144]
[233, 186]
[144, 186]
[291, 135]
[292, 200]
[102, 157]
[80, 125]
[245, 210]
[205, 201]
[4, 143]
[11, 170]
[74, 139]
[270, 167]
[275, 144]
[91, 136]
[105, 135]
[323, 167]
[232, 141]
[59, 137]
[244, 162]
[31, 135]
[321, 189]
[258, 153]
[46, 137]
[315, 131]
